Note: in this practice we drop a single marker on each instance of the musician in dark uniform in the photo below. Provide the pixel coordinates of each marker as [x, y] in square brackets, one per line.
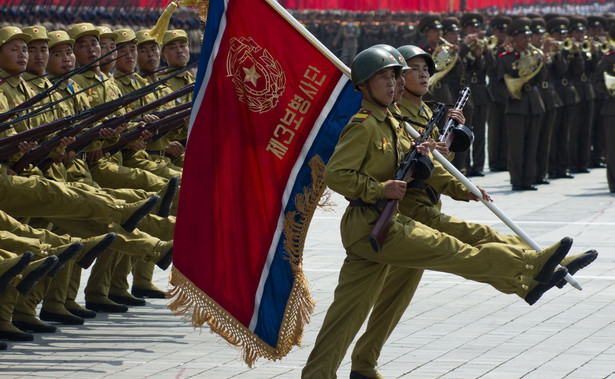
[581, 130]
[607, 65]
[478, 59]
[523, 106]
[597, 26]
[553, 63]
[559, 159]
[497, 143]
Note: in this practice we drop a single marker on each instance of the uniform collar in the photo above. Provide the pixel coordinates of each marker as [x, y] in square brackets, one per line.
[375, 111]
[412, 109]
[14, 81]
[35, 80]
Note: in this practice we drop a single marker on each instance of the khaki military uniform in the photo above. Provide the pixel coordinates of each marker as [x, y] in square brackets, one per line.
[367, 154]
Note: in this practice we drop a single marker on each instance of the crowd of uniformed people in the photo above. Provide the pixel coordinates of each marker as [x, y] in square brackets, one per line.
[556, 126]
[70, 200]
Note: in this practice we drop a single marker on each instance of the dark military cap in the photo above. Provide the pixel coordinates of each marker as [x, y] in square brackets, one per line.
[472, 19]
[538, 25]
[558, 24]
[450, 24]
[533, 15]
[519, 26]
[577, 23]
[549, 16]
[597, 22]
[431, 21]
[500, 22]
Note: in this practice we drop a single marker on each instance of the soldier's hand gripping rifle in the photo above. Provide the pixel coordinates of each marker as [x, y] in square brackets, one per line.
[37, 155]
[414, 166]
[162, 126]
[458, 137]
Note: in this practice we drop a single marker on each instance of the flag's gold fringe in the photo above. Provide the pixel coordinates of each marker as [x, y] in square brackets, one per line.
[188, 300]
[200, 5]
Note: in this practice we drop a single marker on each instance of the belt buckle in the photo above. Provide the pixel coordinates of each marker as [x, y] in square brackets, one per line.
[564, 82]
[527, 87]
[545, 85]
[462, 81]
[583, 77]
[474, 79]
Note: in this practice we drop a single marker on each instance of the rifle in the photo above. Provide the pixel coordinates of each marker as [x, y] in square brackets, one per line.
[412, 167]
[164, 125]
[94, 114]
[458, 137]
[39, 153]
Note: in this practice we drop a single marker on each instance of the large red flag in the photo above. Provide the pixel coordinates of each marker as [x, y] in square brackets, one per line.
[268, 109]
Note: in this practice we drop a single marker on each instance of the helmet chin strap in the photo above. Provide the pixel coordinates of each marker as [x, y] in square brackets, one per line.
[412, 93]
[369, 92]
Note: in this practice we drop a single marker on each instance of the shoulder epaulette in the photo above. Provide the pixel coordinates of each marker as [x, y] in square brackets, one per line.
[361, 116]
[504, 53]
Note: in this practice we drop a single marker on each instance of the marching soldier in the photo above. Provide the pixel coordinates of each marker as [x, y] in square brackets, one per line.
[496, 133]
[553, 63]
[559, 160]
[477, 61]
[581, 131]
[524, 107]
[597, 26]
[605, 83]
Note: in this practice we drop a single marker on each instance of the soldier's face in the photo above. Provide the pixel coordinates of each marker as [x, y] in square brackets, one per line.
[128, 58]
[87, 49]
[61, 59]
[106, 46]
[537, 39]
[417, 77]
[521, 41]
[559, 36]
[399, 88]
[149, 57]
[14, 56]
[452, 37]
[578, 35]
[433, 35]
[380, 87]
[38, 55]
[176, 53]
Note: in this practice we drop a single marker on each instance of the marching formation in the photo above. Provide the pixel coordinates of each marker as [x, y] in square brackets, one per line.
[92, 142]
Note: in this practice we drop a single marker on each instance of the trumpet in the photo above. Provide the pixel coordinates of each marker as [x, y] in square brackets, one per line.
[488, 42]
[567, 44]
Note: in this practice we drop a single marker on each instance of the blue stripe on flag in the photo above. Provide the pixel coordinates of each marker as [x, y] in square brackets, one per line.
[216, 10]
[280, 280]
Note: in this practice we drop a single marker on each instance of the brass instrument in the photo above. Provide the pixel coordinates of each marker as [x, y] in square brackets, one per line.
[567, 44]
[444, 60]
[586, 46]
[609, 82]
[485, 43]
[528, 65]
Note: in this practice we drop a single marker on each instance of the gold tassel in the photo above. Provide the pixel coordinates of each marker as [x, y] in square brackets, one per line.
[202, 7]
[190, 301]
[163, 23]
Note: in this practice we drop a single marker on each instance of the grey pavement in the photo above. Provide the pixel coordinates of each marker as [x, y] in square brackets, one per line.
[454, 328]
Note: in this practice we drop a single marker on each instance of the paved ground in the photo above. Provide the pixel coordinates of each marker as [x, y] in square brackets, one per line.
[453, 329]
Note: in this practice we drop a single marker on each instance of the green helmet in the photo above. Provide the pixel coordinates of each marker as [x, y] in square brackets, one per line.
[370, 61]
[395, 53]
[411, 51]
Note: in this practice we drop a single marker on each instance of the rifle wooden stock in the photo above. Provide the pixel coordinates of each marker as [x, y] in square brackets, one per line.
[10, 144]
[380, 230]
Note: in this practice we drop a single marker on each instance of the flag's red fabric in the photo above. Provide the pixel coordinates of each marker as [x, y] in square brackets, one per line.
[268, 106]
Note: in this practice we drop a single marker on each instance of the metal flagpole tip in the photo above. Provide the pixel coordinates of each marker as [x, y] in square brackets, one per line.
[573, 282]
